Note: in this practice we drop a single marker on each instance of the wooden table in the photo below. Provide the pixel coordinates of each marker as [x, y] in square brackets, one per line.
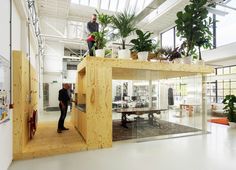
[189, 107]
[138, 111]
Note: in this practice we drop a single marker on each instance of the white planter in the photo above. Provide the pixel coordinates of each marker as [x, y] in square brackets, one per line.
[124, 54]
[178, 60]
[187, 60]
[232, 124]
[143, 56]
[100, 53]
[200, 62]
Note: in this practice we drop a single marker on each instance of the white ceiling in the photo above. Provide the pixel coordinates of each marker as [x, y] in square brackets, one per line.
[63, 11]
[54, 8]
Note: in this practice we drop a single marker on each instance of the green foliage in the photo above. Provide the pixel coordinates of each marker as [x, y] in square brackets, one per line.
[143, 42]
[193, 25]
[164, 51]
[100, 37]
[125, 23]
[230, 110]
[155, 46]
[100, 40]
[104, 20]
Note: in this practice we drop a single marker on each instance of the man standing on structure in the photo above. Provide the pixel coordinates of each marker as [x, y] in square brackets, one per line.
[92, 26]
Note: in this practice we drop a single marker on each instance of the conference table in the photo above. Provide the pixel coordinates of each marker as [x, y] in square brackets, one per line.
[138, 111]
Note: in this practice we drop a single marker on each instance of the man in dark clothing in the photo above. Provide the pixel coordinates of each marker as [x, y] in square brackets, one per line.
[92, 26]
[64, 101]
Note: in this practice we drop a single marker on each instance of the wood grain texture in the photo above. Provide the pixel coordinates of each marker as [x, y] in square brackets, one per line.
[25, 99]
[95, 90]
[48, 142]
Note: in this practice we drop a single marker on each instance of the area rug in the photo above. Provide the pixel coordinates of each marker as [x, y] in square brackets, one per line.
[143, 129]
[223, 121]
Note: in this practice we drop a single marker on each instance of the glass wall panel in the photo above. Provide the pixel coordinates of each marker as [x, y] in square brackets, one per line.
[157, 109]
[167, 38]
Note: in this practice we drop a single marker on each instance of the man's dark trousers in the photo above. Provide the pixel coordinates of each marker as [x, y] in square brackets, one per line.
[62, 117]
[90, 47]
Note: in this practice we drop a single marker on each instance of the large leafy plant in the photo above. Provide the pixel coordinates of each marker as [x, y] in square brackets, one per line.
[100, 37]
[193, 25]
[143, 42]
[230, 109]
[125, 23]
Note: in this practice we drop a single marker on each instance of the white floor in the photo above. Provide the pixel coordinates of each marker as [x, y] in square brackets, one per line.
[215, 151]
[52, 116]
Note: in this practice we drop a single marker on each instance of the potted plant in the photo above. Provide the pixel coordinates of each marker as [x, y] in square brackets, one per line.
[162, 53]
[100, 37]
[142, 44]
[230, 109]
[193, 26]
[125, 24]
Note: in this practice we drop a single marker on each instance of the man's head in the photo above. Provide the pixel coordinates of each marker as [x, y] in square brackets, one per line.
[66, 86]
[94, 17]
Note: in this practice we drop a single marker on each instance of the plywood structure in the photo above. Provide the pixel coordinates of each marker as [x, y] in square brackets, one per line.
[94, 88]
[25, 99]
[48, 142]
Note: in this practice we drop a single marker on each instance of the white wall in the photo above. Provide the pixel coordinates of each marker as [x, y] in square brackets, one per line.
[53, 87]
[71, 76]
[16, 29]
[5, 129]
[224, 55]
[53, 70]
[53, 58]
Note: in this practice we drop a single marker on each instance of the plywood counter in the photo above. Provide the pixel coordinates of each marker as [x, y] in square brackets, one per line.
[94, 88]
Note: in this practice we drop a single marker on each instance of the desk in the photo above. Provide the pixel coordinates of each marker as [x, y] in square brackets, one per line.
[138, 111]
[188, 107]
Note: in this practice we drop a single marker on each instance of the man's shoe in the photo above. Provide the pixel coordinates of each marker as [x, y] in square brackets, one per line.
[59, 131]
[65, 128]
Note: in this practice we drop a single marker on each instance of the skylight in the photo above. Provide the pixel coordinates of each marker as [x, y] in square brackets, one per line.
[84, 2]
[93, 3]
[115, 5]
[105, 4]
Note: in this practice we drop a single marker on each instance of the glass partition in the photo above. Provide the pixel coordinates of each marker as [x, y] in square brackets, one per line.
[149, 110]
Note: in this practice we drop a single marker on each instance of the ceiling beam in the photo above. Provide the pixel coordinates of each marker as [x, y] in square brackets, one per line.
[148, 9]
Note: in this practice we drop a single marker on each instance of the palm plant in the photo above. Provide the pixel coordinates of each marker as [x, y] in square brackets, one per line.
[100, 37]
[125, 23]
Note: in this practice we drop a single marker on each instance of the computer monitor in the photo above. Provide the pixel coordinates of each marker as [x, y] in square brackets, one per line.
[117, 98]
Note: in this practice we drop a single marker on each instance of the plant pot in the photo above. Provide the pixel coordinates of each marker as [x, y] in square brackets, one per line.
[200, 62]
[124, 54]
[187, 60]
[143, 56]
[232, 124]
[178, 60]
[100, 53]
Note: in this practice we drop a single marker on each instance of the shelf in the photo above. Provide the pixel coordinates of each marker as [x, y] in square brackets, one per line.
[81, 107]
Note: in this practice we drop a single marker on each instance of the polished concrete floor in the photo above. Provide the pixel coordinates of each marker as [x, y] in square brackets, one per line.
[215, 151]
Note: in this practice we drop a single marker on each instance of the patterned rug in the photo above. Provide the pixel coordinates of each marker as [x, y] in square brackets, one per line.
[143, 129]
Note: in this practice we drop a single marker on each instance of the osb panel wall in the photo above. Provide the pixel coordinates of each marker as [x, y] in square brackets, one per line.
[25, 99]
